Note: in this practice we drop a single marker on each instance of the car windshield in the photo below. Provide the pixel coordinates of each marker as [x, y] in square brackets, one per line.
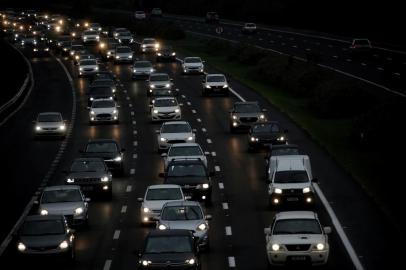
[189, 212]
[297, 226]
[142, 65]
[176, 128]
[49, 118]
[191, 170]
[88, 166]
[193, 60]
[216, 78]
[103, 104]
[91, 33]
[123, 50]
[165, 103]
[284, 151]
[285, 177]
[124, 34]
[88, 63]
[168, 244]
[149, 41]
[100, 91]
[246, 108]
[103, 83]
[160, 194]
[250, 25]
[42, 227]
[159, 78]
[57, 196]
[361, 42]
[185, 151]
[266, 128]
[104, 147]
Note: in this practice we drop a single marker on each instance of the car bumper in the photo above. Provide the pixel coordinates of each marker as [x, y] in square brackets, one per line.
[149, 49]
[103, 119]
[50, 132]
[236, 123]
[87, 72]
[163, 117]
[311, 257]
[100, 188]
[262, 143]
[193, 71]
[302, 199]
[123, 60]
[44, 253]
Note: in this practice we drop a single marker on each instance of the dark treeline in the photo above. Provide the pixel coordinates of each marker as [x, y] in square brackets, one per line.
[358, 18]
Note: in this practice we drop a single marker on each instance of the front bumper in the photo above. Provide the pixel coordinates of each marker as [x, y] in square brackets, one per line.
[309, 257]
[302, 199]
[166, 116]
[87, 72]
[245, 124]
[50, 132]
[149, 49]
[123, 59]
[261, 143]
[187, 70]
[103, 118]
[93, 187]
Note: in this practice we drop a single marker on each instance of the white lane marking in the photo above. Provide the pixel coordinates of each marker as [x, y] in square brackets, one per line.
[348, 60]
[335, 56]
[134, 122]
[236, 94]
[135, 143]
[225, 206]
[308, 49]
[363, 64]
[397, 74]
[135, 156]
[135, 132]
[130, 105]
[124, 209]
[213, 154]
[389, 59]
[199, 120]
[116, 235]
[132, 113]
[381, 69]
[231, 262]
[229, 231]
[128, 98]
[107, 265]
[339, 229]
[188, 103]
[193, 111]
[221, 185]
[132, 171]
[204, 130]
[129, 188]
[209, 141]
[183, 96]
[217, 168]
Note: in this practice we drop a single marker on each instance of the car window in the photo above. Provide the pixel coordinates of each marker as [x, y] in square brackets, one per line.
[88, 62]
[168, 244]
[164, 194]
[56, 196]
[185, 151]
[165, 103]
[88, 166]
[142, 65]
[246, 108]
[49, 118]
[185, 170]
[266, 128]
[193, 60]
[176, 128]
[103, 104]
[291, 177]
[190, 212]
[42, 227]
[297, 226]
[217, 78]
[159, 78]
[104, 147]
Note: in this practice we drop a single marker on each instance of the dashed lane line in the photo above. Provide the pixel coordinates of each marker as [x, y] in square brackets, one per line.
[124, 209]
[229, 231]
[116, 235]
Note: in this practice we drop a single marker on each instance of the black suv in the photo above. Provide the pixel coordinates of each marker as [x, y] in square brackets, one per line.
[266, 133]
[169, 249]
[192, 176]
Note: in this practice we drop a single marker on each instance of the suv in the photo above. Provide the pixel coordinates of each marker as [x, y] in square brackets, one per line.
[50, 123]
[290, 180]
[297, 237]
[90, 36]
[174, 132]
[215, 83]
[244, 114]
[171, 249]
[279, 150]
[212, 17]
[125, 38]
[266, 133]
[192, 175]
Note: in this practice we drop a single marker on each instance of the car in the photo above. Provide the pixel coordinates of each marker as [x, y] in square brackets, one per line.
[297, 237]
[249, 28]
[165, 53]
[99, 92]
[83, 55]
[28, 40]
[94, 27]
[212, 17]
[149, 45]
[187, 215]
[156, 12]
[142, 69]
[104, 75]
[105, 82]
[46, 236]
[116, 31]
[65, 47]
[50, 124]
[41, 48]
[66, 200]
[109, 150]
[263, 134]
[90, 36]
[192, 175]
[279, 150]
[184, 151]
[291, 181]
[61, 39]
[123, 54]
[165, 108]
[155, 197]
[360, 47]
[171, 249]
[159, 81]
[88, 67]
[125, 38]
[109, 52]
[140, 15]
[215, 83]
[75, 49]
[103, 110]
[174, 132]
[92, 175]
[244, 114]
[161, 92]
[192, 65]
[104, 44]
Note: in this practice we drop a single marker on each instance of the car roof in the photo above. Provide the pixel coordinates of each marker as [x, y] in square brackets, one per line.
[291, 162]
[61, 187]
[164, 98]
[183, 203]
[184, 144]
[215, 74]
[49, 113]
[102, 141]
[296, 215]
[163, 186]
[175, 122]
[40, 217]
[174, 232]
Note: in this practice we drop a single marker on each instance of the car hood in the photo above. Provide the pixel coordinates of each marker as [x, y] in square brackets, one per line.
[166, 109]
[88, 66]
[61, 208]
[124, 54]
[182, 181]
[190, 225]
[174, 136]
[42, 240]
[103, 110]
[86, 175]
[291, 185]
[49, 124]
[287, 239]
[143, 69]
[157, 205]
[253, 114]
[101, 155]
[192, 64]
[169, 258]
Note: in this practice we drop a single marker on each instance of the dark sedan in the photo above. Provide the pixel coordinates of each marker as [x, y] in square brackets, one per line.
[266, 133]
[166, 53]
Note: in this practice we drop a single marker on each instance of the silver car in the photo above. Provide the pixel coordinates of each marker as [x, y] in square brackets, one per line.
[185, 151]
[165, 108]
[123, 54]
[174, 132]
[149, 45]
[142, 69]
[90, 36]
[186, 215]
[159, 81]
[192, 65]
[88, 67]
[50, 124]
[244, 114]
[65, 200]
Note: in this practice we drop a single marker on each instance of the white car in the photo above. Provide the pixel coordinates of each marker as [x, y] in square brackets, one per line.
[119, 30]
[174, 132]
[159, 81]
[192, 65]
[125, 38]
[50, 124]
[66, 200]
[155, 197]
[290, 180]
[94, 27]
[184, 151]
[297, 236]
[123, 54]
[142, 69]
[165, 108]
[88, 67]
[90, 36]
[249, 28]
[140, 15]
[103, 110]
[149, 45]
[215, 83]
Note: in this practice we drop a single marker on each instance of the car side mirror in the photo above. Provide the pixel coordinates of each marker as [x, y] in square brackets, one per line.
[118, 106]
[209, 217]
[147, 81]
[194, 130]
[164, 155]
[267, 231]
[162, 175]
[157, 131]
[140, 199]
[327, 230]
[315, 180]
[207, 153]
[187, 198]
[171, 80]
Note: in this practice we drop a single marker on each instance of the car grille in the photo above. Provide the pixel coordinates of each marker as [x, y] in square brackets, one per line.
[169, 264]
[298, 247]
[49, 129]
[248, 119]
[292, 192]
[88, 69]
[44, 248]
[193, 68]
[87, 180]
[176, 141]
[105, 116]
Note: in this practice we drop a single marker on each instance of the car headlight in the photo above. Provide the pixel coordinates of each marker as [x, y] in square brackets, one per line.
[84, 38]
[117, 57]
[177, 110]
[152, 86]
[234, 117]
[202, 227]
[71, 53]
[281, 138]
[43, 212]
[145, 210]
[306, 190]
[162, 227]
[278, 191]
[114, 111]
[205, 186]
[163, 139]
[64, 245]
[91, 99]
[208, 86]
[35, 50]
[275, 247]
[104, 179]
[62, 127]
[97, 68]
[70, 180]
[253, 139]
[320, 246]
[155, 111]
[146, 263]
[157, 45]
[144, 46]
[191, 261]
[21, 247]
[262, 116]
[167, 85]
[225, 86]
[190, 138]
[159, 54]
[173, 54]
[37, 128]
[92, 112]
[118, 159]
[151, 70]
[79, 211]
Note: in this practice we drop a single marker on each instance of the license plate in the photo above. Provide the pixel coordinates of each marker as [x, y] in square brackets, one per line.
[298, 258]
[87, 188]
[292, 199]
